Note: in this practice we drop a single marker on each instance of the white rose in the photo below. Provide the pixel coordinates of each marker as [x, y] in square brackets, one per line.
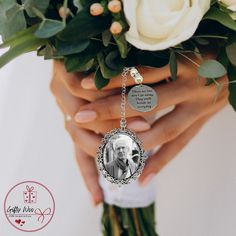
[160, 24]
[230, 3]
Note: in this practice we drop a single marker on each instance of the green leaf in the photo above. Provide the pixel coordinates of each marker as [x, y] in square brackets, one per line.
[106, 37]
[40, 5]
[113, 61]
[211, 69]
[221, 17]
[99, 80]
[173, 65]
[65, 48]
[48, 28]
[84, 26]
[105, 70]
[231, 53]
[4, 6]
[122, 45]
[13, 15]
[230, 48]
[232, 85]
[76, 61]
[223, 59]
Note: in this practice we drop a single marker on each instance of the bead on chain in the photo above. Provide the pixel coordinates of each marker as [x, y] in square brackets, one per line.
[138, 80]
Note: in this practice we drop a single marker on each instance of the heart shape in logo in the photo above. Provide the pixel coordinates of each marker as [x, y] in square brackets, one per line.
[18, 221]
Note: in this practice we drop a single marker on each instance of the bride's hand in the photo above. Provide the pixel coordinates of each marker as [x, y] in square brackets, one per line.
[70, 97]
[193, 103]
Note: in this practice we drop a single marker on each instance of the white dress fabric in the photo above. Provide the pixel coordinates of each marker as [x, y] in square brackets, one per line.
[195, 194]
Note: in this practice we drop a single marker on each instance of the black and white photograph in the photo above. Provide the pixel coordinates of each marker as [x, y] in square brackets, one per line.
[121, 156]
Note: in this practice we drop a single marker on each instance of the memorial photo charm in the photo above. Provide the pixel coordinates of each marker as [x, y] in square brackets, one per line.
[121, 156]
[142, 98]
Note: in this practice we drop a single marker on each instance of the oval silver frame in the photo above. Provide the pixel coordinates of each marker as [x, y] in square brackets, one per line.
[100, 158]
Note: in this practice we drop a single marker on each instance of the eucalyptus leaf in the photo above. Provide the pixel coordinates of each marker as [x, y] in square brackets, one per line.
[173, 65]
[4, 6]
[64, 48]
[223, 59]
[99, 80]
[13, 15]
[48, 28]
[221, 17]
[84, 26]
[40, 5]
[211, 69]
[231, 53]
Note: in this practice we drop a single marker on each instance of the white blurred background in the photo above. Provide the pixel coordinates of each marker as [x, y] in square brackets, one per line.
[196, 192]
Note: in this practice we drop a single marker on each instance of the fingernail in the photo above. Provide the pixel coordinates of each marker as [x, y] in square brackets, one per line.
[96, 199]
[87, 83]
[85, 116]
[147, 179]
[138, 125]
[93, 201]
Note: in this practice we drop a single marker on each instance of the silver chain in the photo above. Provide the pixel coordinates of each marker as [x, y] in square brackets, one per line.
[123, 98]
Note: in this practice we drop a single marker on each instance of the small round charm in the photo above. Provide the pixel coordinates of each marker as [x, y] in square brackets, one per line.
[142, 98]
[121, 156]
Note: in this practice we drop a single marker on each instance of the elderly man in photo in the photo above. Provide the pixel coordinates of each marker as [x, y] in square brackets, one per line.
[121, 167]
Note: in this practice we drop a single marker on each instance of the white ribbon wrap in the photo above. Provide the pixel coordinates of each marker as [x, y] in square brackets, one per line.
[128, 196]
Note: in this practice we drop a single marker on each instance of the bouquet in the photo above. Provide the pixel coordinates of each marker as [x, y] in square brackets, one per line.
[104, 36]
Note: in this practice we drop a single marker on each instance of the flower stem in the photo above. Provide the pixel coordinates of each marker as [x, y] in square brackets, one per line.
[188, 58]
[136, 222]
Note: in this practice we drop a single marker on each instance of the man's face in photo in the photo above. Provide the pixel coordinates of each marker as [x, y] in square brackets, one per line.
[121, 151]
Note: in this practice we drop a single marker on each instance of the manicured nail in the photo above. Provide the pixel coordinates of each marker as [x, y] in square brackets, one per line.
[87, 83]
[93, 201]
[96, 199]
[138, 125]
[147, 179]
[85, 116]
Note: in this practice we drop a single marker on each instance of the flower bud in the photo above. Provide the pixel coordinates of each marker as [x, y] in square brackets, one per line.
[96, 9]
[114, 6]
[64, 12]
[116, 27]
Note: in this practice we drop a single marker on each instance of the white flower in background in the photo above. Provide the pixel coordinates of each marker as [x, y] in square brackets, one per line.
[160, 24]
[230, 3]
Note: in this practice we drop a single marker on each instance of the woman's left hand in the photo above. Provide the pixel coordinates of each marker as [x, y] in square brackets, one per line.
[194, 105]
